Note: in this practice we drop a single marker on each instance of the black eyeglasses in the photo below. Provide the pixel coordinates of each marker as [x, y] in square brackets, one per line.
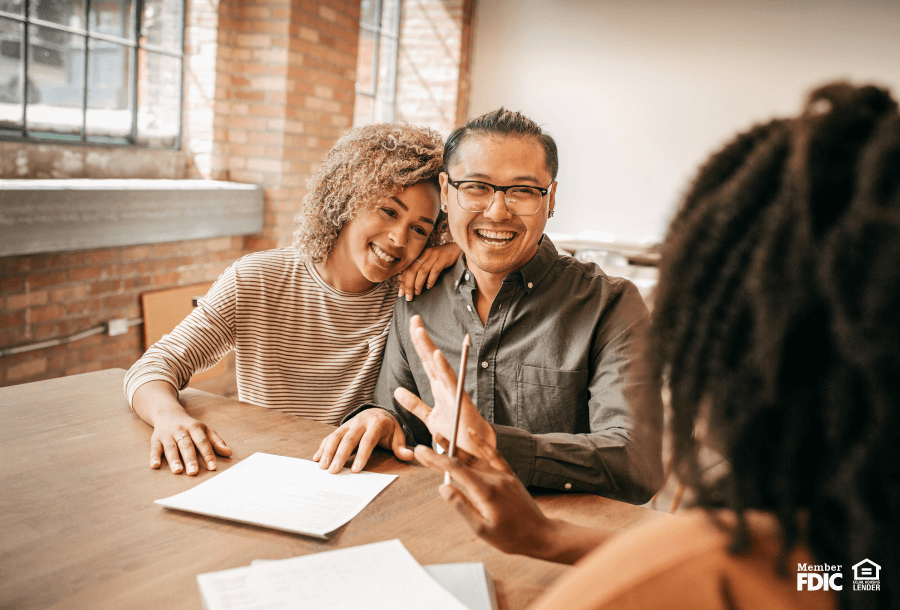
[476, 196]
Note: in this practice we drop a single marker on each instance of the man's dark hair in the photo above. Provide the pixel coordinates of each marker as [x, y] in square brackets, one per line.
[505, 123]
[777, 318]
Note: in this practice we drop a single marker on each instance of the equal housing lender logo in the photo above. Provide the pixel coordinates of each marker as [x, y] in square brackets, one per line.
[828, 577]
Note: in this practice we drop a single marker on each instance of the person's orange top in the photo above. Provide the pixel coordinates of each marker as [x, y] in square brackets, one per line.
[684, 563]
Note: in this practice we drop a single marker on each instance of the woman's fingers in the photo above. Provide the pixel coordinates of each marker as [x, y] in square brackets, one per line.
[412, 403]
[185, 445]
[488, 452]
[173, 455]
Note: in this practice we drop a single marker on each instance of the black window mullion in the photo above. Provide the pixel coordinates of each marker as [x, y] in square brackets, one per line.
[135, 59]
[84, 89]
[23, 70]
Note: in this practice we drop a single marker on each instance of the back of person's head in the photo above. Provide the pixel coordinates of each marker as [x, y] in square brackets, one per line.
[366, 165]
[505, 124]
[777, 320]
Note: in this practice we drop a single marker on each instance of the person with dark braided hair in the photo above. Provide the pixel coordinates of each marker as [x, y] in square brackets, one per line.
[777, 328]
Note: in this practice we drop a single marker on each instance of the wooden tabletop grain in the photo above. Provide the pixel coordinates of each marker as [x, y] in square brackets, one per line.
[79, 529]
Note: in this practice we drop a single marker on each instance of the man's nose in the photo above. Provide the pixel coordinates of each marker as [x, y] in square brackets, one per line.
[497, 208]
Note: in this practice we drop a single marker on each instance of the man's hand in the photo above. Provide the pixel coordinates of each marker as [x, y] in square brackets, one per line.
[443, 387]
[369, 428]
[424, 271]
[175, 433]
[490, 497]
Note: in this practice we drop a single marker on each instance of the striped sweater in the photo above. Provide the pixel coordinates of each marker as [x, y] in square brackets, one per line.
[301, 346]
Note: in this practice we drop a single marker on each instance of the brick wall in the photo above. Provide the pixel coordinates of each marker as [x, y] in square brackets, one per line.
[51, 295]
[433, 64]
[268, 89]
[285, 94]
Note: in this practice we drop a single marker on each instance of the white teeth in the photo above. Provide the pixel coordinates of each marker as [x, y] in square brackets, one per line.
[496, 234]
[383, 255]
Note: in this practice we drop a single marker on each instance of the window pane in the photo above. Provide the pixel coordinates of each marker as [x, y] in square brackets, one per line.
[387, 67]
[12, 6]
[56, 69]
[365, 59]
[363, 110]
[11, 71]
[384, 110]
[390, 16]
[63, 12]
[162, 23]
[159, 99]
[109, 89]
[113, 17]
[368, 12]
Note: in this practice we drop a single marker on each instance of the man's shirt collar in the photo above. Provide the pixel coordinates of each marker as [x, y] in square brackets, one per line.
[529, 275]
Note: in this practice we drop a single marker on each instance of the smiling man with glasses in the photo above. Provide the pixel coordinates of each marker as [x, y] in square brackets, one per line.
[551, 380]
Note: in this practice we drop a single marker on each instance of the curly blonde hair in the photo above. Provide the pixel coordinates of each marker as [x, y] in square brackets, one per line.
[366, 165]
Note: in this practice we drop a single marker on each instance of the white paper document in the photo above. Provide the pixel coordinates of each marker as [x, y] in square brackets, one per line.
[470, 583]
[379, 576]
[283, 493]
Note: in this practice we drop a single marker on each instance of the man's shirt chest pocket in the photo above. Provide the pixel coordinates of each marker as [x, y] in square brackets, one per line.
[549, 400]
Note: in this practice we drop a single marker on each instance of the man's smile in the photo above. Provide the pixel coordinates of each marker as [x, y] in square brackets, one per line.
[494, 237]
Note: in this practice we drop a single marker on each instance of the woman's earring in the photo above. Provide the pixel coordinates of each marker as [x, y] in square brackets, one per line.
[443, 207]
[550, 215]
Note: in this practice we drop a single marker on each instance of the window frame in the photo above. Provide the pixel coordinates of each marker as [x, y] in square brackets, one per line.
[378, 31]
[135, 46]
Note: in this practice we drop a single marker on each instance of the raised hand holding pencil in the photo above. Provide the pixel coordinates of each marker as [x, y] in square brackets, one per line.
[460, 384]
[446, 389]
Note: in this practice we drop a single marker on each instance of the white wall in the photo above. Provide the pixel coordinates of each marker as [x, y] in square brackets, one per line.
[638, 94]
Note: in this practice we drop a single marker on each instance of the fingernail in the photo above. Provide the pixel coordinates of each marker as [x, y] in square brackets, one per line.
[418, 292]
[154, 464]
[211, 465]
[176, 465]
[409, 297]
[400, 293]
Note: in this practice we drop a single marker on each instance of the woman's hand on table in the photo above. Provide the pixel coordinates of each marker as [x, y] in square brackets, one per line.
[180, 438]
[361, 434]
[176, 434]
[424, 271]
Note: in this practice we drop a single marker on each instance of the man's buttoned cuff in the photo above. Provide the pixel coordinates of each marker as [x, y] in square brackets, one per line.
[517, 448]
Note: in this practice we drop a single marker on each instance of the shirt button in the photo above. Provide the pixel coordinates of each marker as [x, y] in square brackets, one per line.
[469, 307]
[530, 285]
[484, 364]
[568, 486]
[467, 276]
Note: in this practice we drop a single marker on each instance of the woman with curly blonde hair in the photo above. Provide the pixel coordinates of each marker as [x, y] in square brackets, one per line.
[308, 323]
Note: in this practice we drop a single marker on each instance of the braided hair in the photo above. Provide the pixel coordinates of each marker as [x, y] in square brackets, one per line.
[777, 320]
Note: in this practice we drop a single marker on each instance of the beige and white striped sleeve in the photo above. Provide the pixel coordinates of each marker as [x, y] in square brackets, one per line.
[203, 338]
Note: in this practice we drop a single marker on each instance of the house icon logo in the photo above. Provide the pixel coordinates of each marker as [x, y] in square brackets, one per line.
[866, 575]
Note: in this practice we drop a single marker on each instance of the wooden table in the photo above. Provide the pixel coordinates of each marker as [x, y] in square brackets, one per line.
[79, 529]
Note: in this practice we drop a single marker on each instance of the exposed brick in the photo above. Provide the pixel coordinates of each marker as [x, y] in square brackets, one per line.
[11, 319]
[49, 312]
[49, 278]
[27, 369]
[83, 274]
[105, 286]
[12, 284]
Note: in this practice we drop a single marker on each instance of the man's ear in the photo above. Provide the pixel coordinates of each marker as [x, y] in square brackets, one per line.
[552, 203]
[444, 178]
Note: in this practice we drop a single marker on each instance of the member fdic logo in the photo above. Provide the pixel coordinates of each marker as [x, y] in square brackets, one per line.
[866, 576]
[819, 577]
[827, 577]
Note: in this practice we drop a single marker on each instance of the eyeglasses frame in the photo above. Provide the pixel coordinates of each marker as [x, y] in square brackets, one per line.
[455, 184]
